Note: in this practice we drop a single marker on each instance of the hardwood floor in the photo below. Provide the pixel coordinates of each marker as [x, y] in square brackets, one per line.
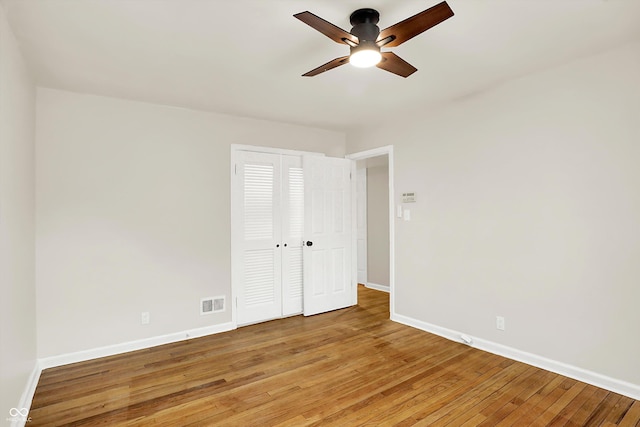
[352, 367]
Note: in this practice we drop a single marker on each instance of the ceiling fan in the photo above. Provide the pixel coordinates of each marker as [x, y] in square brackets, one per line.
[366, 39]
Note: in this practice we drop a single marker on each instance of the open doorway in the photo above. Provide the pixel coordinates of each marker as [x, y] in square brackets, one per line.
[374, 219]
[372, 200]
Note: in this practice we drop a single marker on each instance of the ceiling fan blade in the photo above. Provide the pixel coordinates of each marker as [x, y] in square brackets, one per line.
[336, 34]
[396, 65]
[399, 33]
[328, 66]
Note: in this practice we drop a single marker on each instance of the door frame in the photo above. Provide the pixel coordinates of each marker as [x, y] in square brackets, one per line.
[376, 152]
[234, 221]
[361, 197]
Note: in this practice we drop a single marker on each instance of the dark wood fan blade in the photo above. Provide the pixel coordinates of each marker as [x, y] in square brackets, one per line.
[396, 65]
[411, 27]
[336, 34]
[328, 66]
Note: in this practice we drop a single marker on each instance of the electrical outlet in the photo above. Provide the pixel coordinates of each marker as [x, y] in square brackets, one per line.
[500, 323]
[144, 318]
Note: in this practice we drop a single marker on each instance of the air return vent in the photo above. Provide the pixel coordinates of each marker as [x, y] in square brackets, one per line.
[212, 305]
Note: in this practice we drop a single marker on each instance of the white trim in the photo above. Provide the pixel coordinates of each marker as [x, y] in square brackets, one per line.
[377, 287]
[95, 353]
[375, 152]
[580, 374]
[361, 233]
[354, 232]
[27, 395]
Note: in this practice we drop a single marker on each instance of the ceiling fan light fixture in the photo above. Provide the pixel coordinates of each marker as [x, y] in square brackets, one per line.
[365, 38]
[365, 56]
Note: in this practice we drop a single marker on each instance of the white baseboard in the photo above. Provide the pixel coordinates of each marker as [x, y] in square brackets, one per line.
[589, 377]
[377, 287]
[81, 356]
[27, 396]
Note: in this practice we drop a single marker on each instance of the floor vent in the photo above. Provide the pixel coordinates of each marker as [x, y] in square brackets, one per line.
[212, 305]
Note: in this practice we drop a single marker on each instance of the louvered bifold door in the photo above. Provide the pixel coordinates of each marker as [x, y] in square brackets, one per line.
[259, 295]
[292, 234]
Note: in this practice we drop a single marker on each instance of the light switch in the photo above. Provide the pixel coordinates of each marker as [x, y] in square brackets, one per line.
[399, 211]
[407, 215]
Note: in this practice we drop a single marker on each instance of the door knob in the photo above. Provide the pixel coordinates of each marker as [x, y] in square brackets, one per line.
[309, 243]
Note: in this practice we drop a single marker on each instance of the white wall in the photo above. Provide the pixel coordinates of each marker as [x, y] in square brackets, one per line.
[133, 215]
[378, 224]
[528, 207]
[17, 255]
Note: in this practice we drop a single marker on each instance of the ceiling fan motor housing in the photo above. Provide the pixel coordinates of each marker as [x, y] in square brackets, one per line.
[364, 25]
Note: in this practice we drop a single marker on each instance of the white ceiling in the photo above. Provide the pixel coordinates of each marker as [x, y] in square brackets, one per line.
[246, 57]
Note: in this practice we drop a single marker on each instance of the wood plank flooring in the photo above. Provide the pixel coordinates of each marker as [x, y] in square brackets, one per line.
[351, 367]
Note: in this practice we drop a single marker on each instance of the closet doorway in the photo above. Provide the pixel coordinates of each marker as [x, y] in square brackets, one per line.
[291, 234]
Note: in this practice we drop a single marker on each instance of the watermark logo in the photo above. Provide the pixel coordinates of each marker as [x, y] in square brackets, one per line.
[15, 412]
[19, 414]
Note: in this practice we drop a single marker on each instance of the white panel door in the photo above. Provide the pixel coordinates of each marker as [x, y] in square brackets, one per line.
[361, 223]
[258, 252]
[329, 281]
[292, 234]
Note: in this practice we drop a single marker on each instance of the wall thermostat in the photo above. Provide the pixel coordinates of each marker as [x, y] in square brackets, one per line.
[408, 197]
